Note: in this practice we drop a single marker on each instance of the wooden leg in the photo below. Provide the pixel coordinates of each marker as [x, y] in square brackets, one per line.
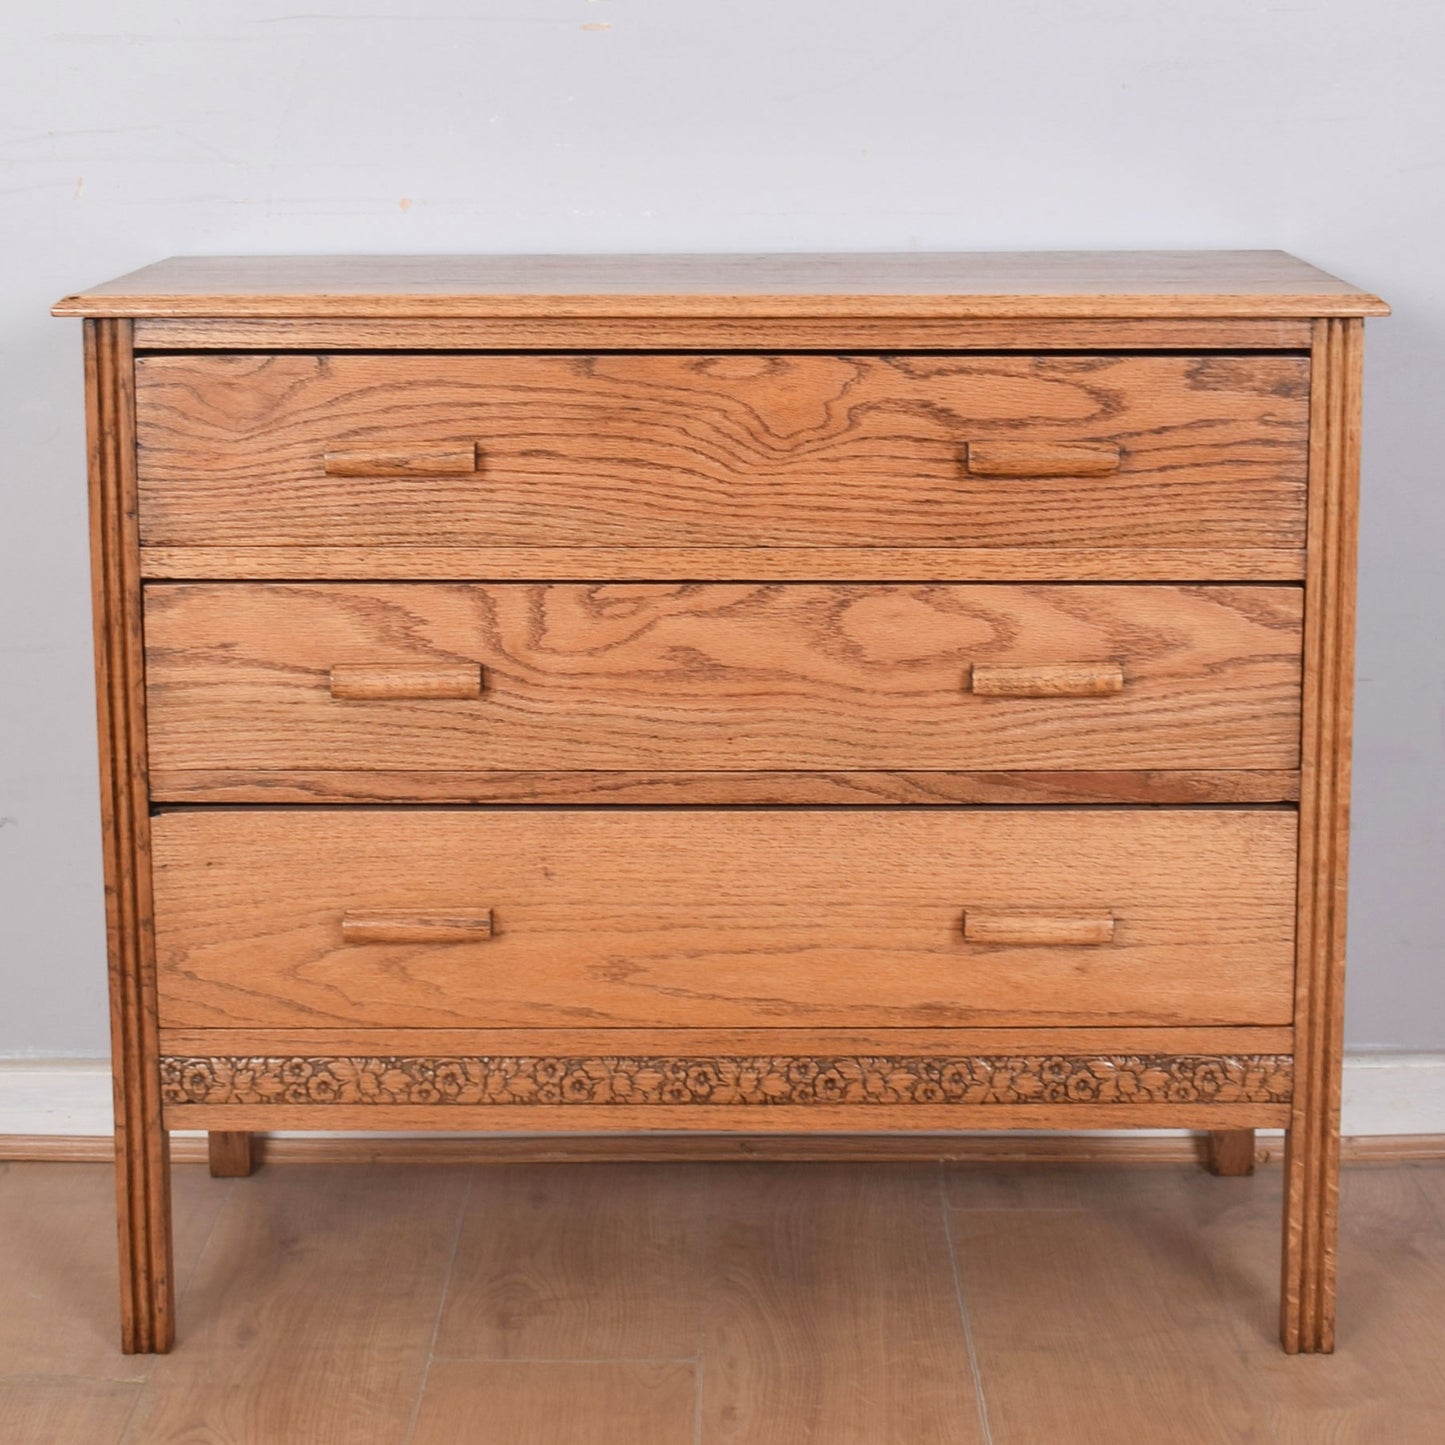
[1312, 1147]
[1230, 1151]
[1311, 1225]
[143, 1207]
[142, 1146]
[232, 1155]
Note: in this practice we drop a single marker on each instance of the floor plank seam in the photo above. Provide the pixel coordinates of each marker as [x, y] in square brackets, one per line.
[126, 1425]
[183, 1286]
[967, 1323]
[1436, 1207]
[702, 1244]
[462, 1202]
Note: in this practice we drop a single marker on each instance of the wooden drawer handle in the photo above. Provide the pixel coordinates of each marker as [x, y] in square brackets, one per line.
[389, 681]
[455, 926]
[1059, 679]
[1042, 459]
[402, 461]
[1061, 929]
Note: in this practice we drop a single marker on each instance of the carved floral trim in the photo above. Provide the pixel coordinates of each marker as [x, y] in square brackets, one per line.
[764, 1079]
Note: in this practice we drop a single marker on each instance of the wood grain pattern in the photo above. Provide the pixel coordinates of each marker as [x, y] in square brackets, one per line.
[1042, 459]
[837, 333]
[746, 788]
[704, 1040]
[959, 285]
[43, 1412]
[751, 531]
[590, 1402]
[415, 461]
[400, 925]
[638, 917]
[1064, 929]
[309, 1316]
[1158, 1330]
[367, 682]
[1095, 1313]
[1311, 1225]
[826, 1320]
[607, 1265]
[1050, 679]
[57, 1262]
[635, 450]
[678, 678]
[726, 1118]
[760, 563]
[141, 1142]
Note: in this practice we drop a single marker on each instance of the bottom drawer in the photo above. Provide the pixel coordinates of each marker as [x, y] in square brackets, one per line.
[479, 918]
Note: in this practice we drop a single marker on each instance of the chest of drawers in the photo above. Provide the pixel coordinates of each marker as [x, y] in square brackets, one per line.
[805, 694]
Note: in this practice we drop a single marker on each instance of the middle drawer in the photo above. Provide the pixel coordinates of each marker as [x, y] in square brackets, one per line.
[248, 683]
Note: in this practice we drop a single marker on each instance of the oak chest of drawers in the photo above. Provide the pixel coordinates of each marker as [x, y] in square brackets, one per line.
[745, 694]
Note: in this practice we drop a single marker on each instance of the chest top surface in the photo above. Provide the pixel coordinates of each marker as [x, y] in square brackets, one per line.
[961, 285]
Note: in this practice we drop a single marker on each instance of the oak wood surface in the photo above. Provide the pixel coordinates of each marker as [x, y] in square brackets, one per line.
[760, 563]
[1042, 459]
[147, 1301]
[737, 788]
[361, 681]
[702, 1039]
[857, 428]
[659, 449]
[404, 925]
[837, 333]
[746, 1118]
[1311, 1223]
[986, 925]
[1048, 679]
[1145, 284]
[633, 917]
[254, 681]
[391, 461]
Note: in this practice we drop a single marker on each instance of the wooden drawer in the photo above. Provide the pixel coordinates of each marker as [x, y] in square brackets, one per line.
[377, 684]
[722, 918]
[655, 450]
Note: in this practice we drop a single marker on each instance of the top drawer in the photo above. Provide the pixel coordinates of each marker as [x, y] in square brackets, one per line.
[650, 450]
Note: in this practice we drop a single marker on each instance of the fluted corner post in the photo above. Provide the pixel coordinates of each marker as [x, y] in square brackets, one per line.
[142, 1153]
[1312, 1149]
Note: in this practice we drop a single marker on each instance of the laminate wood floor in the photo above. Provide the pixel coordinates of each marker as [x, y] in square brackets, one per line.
[731, 1304]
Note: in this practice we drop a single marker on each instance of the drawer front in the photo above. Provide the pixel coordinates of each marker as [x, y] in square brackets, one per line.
[252, 680]
[653, 450]
[731, 918]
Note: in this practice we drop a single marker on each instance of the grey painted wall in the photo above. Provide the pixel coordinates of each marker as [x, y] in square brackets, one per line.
[134, 131]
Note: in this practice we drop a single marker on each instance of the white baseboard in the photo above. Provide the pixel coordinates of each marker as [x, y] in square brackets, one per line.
[1384, 1094]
